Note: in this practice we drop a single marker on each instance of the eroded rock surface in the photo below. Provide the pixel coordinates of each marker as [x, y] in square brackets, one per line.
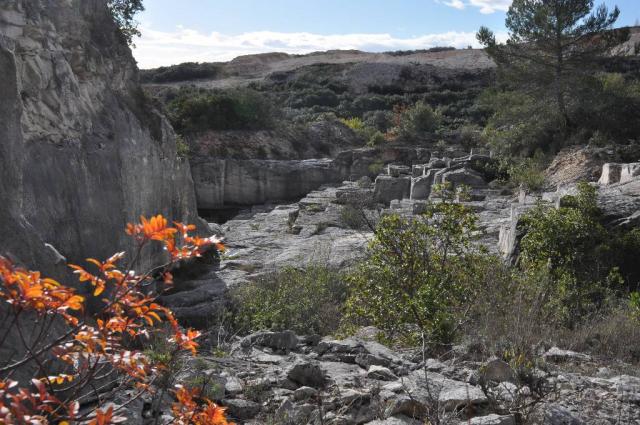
[81, 151]
[322, 381]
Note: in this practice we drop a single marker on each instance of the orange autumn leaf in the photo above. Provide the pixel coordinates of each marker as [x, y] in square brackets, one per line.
[75, 302]
[129, 311]
[103, 418]
[187, 410]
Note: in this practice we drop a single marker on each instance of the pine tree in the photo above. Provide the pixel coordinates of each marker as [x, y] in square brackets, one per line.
[554, 48]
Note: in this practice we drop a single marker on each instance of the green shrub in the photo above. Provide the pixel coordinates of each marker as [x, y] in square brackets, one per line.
[583, 257]
[355, 216]
[527, 173]
[182, 147]
[306, 301]
[376, 139]
[520, 126]
[314, 97]
[371, 102]
[417, 121]
[193, 112]
[418, 275]
[611, 108]
[355, 124]
[380, 120]
[369, 134]
[376, 167]
[181, 72]
[470, 136]
[634, 304]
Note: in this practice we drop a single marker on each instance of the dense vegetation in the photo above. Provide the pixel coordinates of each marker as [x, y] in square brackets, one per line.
[321, 93]
[193, 111]
[182, 72]
[557, 90]
[306, 301]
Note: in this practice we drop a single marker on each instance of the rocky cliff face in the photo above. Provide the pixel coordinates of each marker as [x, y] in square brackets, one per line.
[228, 183]
[81, 151]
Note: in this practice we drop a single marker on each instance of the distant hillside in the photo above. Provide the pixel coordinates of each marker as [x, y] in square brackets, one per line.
[285, 97]
[243, 69]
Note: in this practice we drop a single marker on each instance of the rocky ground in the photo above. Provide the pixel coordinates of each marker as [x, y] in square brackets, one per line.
[282, 378]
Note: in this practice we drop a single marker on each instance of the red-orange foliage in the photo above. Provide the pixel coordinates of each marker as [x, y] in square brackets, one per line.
[93, 348]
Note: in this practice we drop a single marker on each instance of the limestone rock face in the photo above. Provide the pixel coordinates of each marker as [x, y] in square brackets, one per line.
[229, 182]
[610, 173]
[224, 182]
[461, 176]
[629, 172]
[81, 151]
[621, 203]
[388, 188]
[421, 186]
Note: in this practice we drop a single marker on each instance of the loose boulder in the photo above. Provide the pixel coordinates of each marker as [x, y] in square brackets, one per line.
[307, 374]
[285, 340]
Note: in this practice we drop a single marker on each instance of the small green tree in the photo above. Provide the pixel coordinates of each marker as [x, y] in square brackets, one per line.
[417, 277]
[553, 45]
[578, 251]
[124, 12]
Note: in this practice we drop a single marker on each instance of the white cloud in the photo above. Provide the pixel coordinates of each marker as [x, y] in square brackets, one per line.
[160, 48]
[491, 6]
[485, 6]
[458, 4]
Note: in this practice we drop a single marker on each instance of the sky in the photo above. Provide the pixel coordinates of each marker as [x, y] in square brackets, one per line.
[220, 30]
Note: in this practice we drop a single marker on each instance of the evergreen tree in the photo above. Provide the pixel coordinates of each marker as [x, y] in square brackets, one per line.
[555, 47]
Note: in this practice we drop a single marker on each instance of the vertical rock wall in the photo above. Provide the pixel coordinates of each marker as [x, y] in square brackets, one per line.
[82, 152]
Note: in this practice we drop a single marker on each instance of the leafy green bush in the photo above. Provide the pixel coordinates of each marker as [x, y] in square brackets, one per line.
[376, 167]
[306, 301]
[612, 107]
[634, 304]
[380, 120]
[418, 275]
[371, 102]
[586, 260]
[470, 136]
[527, 173]
[182, 147]
[376, 139]
[370, 135]
[522, 123]
[228, 110]
[314, 97]
[355, 124]
[417, 121]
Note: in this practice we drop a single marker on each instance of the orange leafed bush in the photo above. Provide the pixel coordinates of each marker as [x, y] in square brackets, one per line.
[186, 409]
[56, 333]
